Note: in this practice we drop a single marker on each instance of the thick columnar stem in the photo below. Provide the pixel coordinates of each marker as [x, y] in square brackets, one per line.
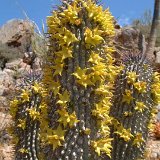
[133, 108]
[81, 71]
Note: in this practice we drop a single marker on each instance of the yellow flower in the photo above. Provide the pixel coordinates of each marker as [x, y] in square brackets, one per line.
[155, 89]
[104, 18]
[138, 139]
[102, 145]
[43, 109]
[71, 14]
[93, 37]
[67, 119]
[65, 37]
[53, 22]
[112, 72]
[37, 87]
[64, 53]
[124, 133]
[104, 126]
[104, 90]
[64, 117]
[64, 98]
[33, 113]
[54, 86]
[58, 67]
[54, 140]
[140, 86]
[110, 50]
[156, 77]
[154, 112]
[105, 103]
[22, 123]
[14, 103]
[48, 72]
[115, 123]
[25, 95]
[56, 137]
[87, 131]
[82, 77]
[110, 59]
[127, 114]
[14, 107]
[73, 119]
[91, 8]
[101, 110]
[127, 97]
[23, 150]
[131, 77]
[140, 106]
[151, 126]
[95, 58]
[98, 72]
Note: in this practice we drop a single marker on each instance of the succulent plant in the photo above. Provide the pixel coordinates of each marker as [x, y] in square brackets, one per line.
[134, 104]
[78, 76]
[25, 111]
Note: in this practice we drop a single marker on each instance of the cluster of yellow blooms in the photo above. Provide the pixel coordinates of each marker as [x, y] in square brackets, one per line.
[156, 87]
[104, 18]
[20, 108]
[140, 86]
[84, 24]
[128, 97]
[53, 71]
[100, 69]
[124, 133]
[155, 90]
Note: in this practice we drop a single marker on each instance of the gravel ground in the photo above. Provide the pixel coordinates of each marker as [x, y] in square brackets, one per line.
[153, 150]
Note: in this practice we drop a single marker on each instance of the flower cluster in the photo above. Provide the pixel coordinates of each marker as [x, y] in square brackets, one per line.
[26, 113]
[79, 52]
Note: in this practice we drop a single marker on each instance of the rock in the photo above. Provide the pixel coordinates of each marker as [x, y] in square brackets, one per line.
[5, 119]
[3, 103]
[15, 40]
[14, 64]
[16, 37]
[29, 58]
[158, 155]
[17, 33]
[153, 149]
[7, 152]
[9, 72]
[129, 40]
[2, 89]
[5, 79]
[127, 36]
[157, 57]
[3, 75]
[154, 155]
[158, 116]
